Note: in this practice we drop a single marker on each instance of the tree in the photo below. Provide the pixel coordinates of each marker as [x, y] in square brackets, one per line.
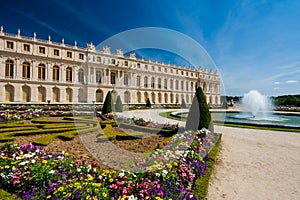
[119, 105]
[148, 103]
[183, 104]
[108, 104]
[199, 115]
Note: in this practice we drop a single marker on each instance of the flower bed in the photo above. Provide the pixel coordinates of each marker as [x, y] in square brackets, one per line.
[30, 172]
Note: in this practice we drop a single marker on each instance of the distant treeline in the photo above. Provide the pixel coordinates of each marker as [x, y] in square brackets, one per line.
[287, 100]
[284, 100]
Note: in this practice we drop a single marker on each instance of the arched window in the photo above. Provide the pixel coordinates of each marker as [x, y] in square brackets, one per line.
[145, 81]
[41, 94]
[187, 86]
[146, 96]
[9, 93]
[99, 96]
[114, 95]
[81, 95]
[177, 99]
[41, 72]
[127, 97]
[153, 97]
[138, 81]
[192, 86]
[171, 84]
[55, 94]
[176, 84]
[9, 68]
[26, 70]
[139, 97]
[166, 98]
[69, 95]
[187, 99]
[55, 73]
[182, 85]
[159, 83]
[126, 79]
[80, 76]
[26, 93]
[171, 98]
[165, 84]
[69, 74]
[152, 82]
[113, 78]
[159, 97]
[98, 77]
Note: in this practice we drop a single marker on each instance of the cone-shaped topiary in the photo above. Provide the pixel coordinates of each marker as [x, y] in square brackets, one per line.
[183, 104]
[148, 103]
[199, 115]
[119, 105]
[108, 104]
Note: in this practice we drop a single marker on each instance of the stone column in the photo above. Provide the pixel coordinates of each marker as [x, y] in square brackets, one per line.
[94, 75]
[17, 69]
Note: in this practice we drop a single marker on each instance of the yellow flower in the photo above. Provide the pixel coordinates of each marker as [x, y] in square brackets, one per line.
[169, 166]
[44, 161]
[60, 189]
[104, 194]
[49, 196]
[111, 180]
[166, 158]
[175, 164]
[69, 194]
[90, 178]
[66, 154]
[6, 166]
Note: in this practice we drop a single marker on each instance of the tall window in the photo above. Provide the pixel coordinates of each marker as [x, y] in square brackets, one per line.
[138, 81]
[159, 83]
[125, 79]
[181, 85]
[98, 77]
[165, 84]
[80, 76]
[69, 74]
[127, 97]
[146, 82]
[41, 72]
[152, 82]
[26, 70]
[69, 54]
[69, 95]
[186, 86]
[81, 56]
[55, 73]
[113, 78]
[9, 68]
[176, 84]
[171, 84]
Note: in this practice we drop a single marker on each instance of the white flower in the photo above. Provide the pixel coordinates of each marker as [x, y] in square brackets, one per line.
[131, 197]
[121, 174]
[23, 163]
[165, 172]
[51, 172]
[33, 161]
[78, 170]
[157, 174]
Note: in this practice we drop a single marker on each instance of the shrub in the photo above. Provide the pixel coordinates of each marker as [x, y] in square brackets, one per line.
[108, 104]
[148, 103]
[199, 116]
[119, 105]
[183, 104]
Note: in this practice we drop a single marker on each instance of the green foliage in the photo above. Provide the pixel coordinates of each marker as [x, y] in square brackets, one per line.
[199, 115]
[287, 100]
[148, 103]
[108, 105]
[200, 186]
[109, 134]
[183, 104]
[119, 105]
[6, 196]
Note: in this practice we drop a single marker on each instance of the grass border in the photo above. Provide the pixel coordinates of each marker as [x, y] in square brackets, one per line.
[201, 184]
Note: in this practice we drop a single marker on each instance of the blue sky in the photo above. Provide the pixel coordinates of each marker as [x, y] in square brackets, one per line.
[255, 44]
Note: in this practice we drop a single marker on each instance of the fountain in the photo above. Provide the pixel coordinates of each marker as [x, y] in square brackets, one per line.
[258, 105]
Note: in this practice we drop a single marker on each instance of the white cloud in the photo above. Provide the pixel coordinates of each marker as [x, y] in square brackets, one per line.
[276, 83]
[276, 88]
[291, 81]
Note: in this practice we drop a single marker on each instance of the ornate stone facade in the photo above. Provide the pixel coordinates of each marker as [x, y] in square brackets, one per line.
[42, 71]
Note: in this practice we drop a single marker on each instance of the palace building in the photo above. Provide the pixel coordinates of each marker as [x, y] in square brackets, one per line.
[36, 71]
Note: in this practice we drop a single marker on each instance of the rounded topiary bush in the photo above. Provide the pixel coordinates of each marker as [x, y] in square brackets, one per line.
[199, 115]
[119, 105]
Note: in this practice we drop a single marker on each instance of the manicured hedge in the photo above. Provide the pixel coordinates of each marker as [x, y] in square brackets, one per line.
[108, 134]
[164, 132]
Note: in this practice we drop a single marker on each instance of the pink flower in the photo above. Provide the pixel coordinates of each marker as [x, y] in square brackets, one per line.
[16, 181]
